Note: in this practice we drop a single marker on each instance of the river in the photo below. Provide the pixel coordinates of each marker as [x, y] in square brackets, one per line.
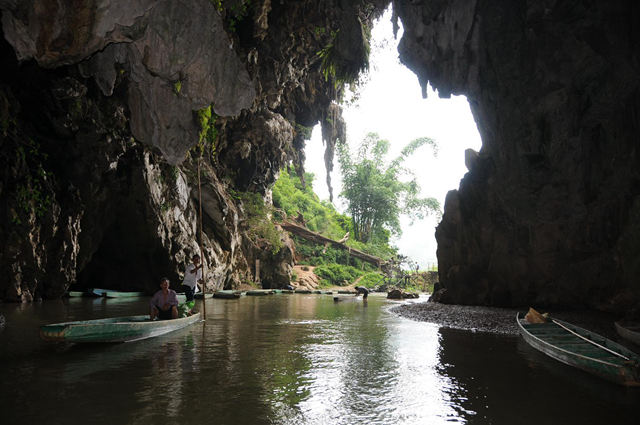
[290, 359]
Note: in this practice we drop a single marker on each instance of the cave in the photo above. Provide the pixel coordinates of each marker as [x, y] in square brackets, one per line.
[548, 214]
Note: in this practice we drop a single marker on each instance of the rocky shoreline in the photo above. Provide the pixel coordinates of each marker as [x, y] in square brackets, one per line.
[498, 320]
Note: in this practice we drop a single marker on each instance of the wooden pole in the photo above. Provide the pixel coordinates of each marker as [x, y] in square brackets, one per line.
[204, 280]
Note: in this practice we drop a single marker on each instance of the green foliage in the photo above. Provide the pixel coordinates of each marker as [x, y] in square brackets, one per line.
[208, 132]
[290, 196]
[33, 195]
[337, 274]
[375, 192]
[335, 66]
[305, 131]
[256, 220]
[371, 279]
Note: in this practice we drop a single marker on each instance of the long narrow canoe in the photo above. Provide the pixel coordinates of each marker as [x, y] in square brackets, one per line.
[110, 293]
[629, 331]
[226, 294]
[75, 294]
[260, 292]
[582, 349]
[114, 329]
[200, 295]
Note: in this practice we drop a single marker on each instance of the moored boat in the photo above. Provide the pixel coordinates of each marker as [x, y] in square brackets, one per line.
[110, 293]
[114, 329]
[260, 292]
[75, 294]
[629, 331]
[226, 294]
[582, 349]
[200, 296]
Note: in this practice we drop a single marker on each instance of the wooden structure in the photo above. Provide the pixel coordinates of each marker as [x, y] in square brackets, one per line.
[114, 329]
[307, 234]
[582, 349]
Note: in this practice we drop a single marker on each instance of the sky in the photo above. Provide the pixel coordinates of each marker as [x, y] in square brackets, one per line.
[391, 105]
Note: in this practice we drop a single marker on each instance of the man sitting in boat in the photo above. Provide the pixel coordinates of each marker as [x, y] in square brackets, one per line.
[164, 303]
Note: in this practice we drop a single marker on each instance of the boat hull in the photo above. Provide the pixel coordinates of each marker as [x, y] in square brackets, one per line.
[227, 295]
[562, 345]
[630, 332]
[108, 293]
[115, 329]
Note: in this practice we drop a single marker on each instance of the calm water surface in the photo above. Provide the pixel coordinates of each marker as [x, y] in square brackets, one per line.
[291, 359]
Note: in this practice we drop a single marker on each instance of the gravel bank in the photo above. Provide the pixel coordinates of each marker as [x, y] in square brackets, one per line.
[498, 320]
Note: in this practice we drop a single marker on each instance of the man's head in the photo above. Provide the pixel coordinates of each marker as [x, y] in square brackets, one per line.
[164, 283]
[195, 259]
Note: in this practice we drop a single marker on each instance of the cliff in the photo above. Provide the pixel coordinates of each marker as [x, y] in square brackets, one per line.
[107, 105]
[548, 212]
[106, 108]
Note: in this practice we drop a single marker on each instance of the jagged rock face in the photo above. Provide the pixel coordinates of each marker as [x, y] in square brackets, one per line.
[548, 213]
[176, 55]
[98, 112]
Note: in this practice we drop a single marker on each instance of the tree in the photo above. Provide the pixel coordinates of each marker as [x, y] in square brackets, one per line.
[373, 189]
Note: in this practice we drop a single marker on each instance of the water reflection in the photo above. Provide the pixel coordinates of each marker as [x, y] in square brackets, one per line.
[495, 379]
[289, 359]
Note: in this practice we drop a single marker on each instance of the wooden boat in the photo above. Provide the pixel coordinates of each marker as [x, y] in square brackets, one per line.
[260, 292]
[302, 291]
[114, 329]
[109, 293]
[226, 294]
[629, 331]
[200, 296]
[582, 349]
[75, 294]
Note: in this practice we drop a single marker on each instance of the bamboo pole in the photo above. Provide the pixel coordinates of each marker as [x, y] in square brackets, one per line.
[202, 258]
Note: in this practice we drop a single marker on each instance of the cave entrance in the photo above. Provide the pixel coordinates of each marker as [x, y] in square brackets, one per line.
[389, 101]
[129, 256]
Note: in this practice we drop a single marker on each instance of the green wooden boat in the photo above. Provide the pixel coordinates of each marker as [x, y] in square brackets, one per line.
[260, 292]
[114, 329]
[226, 295]
[582, 349]
[109, 293]
[629, 331]
[75, 294]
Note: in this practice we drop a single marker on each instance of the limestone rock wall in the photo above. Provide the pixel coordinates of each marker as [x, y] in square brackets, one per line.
[99, 116]
[548, 212]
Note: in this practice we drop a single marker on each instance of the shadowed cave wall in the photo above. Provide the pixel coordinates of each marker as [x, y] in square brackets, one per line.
[107, 95]
[548, 213]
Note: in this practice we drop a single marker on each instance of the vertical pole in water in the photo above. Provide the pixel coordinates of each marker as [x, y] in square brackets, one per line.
[204, 280]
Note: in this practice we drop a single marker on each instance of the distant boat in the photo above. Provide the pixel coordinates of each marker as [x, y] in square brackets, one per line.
[260, 292]
[200, 295]
[75, 294]
[582, 349]
[226, 294]
[629, 331]
[114, 329]
[109, 293]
